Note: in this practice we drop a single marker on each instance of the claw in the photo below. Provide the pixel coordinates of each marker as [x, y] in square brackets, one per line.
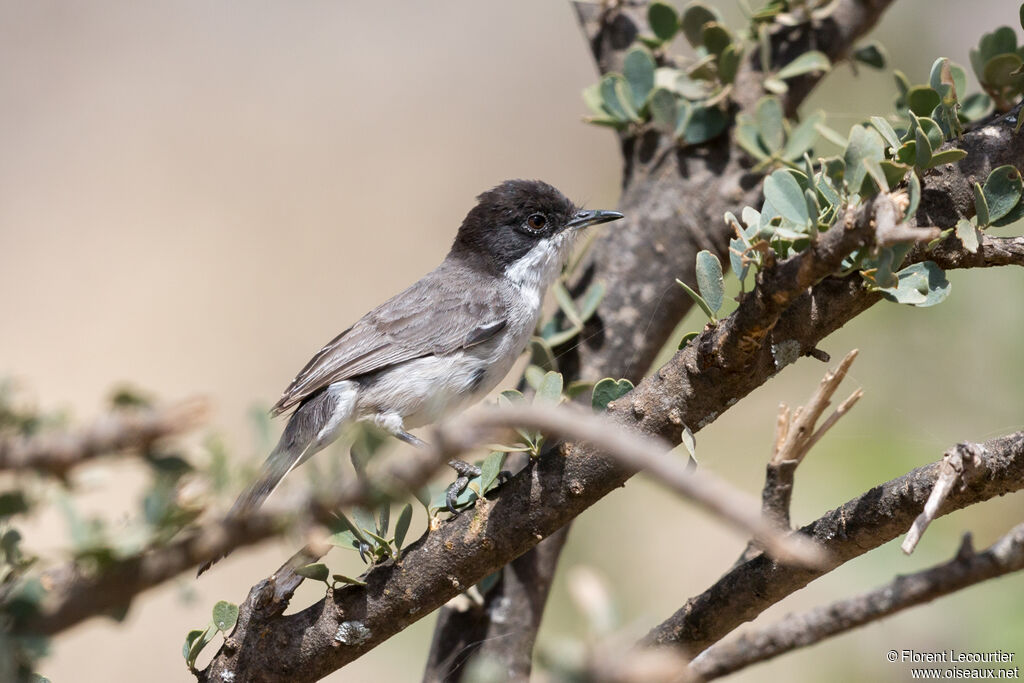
[453, 491]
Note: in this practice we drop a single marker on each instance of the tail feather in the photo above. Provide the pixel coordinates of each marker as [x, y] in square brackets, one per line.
[302, 437]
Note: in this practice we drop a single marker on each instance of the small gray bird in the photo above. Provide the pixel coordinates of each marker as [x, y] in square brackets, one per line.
[444, 342]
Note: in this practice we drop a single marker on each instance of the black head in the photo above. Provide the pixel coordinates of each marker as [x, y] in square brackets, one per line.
[511, 219]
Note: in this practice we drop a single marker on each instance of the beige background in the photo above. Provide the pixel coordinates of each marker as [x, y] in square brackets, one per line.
[194, 196]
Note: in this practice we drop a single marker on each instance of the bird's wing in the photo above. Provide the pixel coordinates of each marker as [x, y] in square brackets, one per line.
[435, 316]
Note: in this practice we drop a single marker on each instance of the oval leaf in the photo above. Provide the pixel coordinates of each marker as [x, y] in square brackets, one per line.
[1002, 191]
[709, 279]
[769, 118]
[608, 390]
[550, 389]
[805, 63]
[317, 572]
[225, 614]
[664, 20]
[638, 68]
[784, 193]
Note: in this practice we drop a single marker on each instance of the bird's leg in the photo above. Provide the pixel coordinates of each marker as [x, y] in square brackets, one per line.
[410, 439]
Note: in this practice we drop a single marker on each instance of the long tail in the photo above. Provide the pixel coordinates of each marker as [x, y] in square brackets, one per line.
[309, 430]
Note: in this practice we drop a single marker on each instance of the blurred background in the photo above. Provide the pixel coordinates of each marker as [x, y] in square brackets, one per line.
[195, 196]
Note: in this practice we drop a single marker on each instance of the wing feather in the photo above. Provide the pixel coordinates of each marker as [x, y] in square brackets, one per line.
[432, 317]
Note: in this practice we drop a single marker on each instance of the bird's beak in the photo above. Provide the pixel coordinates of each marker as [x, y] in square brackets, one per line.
[583, 219]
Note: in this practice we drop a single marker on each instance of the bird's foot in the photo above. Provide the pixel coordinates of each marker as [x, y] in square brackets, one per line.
[465, 472]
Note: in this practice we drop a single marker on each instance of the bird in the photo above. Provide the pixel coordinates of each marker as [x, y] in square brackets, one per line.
[440, 345]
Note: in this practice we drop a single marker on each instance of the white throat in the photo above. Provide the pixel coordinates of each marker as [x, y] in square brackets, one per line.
[534, 272]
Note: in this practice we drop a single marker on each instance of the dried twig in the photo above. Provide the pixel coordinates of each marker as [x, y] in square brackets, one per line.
[801, 630]
[795, 435]
[959, 464]
[848, 531]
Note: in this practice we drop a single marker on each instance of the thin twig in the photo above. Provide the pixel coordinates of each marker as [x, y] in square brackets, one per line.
[136, 429]
[801, 630]
[640, 452]
[958, 465]
[848, 531]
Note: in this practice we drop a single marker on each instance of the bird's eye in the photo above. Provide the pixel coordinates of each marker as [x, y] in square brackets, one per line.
[536, 221]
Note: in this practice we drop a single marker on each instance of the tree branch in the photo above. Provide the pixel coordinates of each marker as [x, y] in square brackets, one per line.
[860, 525]
[136, 429]
[801, 630]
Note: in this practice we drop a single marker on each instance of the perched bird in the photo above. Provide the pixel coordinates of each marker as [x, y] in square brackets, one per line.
[444, 342]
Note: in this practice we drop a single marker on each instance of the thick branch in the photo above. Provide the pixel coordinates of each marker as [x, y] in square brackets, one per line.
[57, 453]
[864, 523]
[801, 630]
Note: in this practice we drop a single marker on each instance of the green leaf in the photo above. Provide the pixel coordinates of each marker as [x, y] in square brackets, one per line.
[923, 147]
[364, 519]
[783, 192]
[1000, 70]
[975, 106]
[383, 519]
[534, 376]
[578, 388]
[748, 138]
[684, 112]
[887, 132]
[805, 63]
[350, 525]
[914, 194]
[980, 206]
[729, 62]
[694, 17]
[341, 578]
[592, 98]
[610, 87]
[968, 235]
[715, 38]
[638, 68]
[947, 156]
[872, 54]
[865, 143]
[225, 615]
[921, 284]
[343, 539]
[921, 100]
[769, 118]
[608, 390]
[709, 279]
[687, 338]
[316, 572]
[802, 137]
[664, 20]
[541, 354]
[704, 124]
[591, 300]
[550, 389]
[1002, 192]
[663, 108]
[566, 303]
[775, 86]
[195, 641]
[699, 300]
[490, 470]
[513, 396]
